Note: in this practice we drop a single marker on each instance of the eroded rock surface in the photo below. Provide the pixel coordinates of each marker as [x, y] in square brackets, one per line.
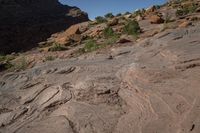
[149, 87]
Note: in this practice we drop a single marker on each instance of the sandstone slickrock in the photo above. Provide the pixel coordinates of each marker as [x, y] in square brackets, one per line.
[25, 23]
[148, 87]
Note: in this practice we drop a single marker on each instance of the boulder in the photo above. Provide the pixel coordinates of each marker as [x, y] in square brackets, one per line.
[71, 35]
[155, 19]
[95, 31]
[113, 22]
[125, 39]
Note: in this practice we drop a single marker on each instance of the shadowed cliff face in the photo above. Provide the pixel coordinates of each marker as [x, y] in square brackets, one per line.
[24, 23]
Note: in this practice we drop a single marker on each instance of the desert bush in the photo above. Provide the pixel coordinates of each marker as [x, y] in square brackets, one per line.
[5, 60]
[21, 64]
[186, 10]
[100, 19]
[109, 15]
[132, 28]
[90, 46]
[57, 47]
[2, 57]
[118, 15]
[108, 32]
[6, 57]
[111, 40]
[181, 12]
[110, 35]
[139, 12]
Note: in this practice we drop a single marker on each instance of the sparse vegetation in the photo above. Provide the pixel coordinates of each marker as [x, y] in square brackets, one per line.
[57, 47]
[100, 19]
[110, 35]
[109, 15]
[49, 58]
[21, 64]
[111, 40]
[139, 12]
[90, 46]
[186, 10]
[108, 32]
[6, 57]
[5, 61]
[132, 28]
[118, 15]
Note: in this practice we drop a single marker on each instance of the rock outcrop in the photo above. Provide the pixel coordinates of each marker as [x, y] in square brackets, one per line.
[24, 23]
[146, 84]
[148, 87]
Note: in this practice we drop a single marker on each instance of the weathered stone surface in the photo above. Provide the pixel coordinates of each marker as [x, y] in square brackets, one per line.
[25, 23]
[147, 87]
[58, 124]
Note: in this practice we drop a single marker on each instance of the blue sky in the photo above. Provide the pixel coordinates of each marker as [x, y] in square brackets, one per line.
[101, 7]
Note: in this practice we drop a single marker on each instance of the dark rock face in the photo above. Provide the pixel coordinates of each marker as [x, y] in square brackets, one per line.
[24, 23]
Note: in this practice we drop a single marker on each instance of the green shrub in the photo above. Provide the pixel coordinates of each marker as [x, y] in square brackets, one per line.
[158, 6]
[111, 40]
[21, 64]
[108, 32]
[186, 10]
[57, 47]
[2, 58]
[132, 28]
[110, 36]
[118, 15]
[6, 57]
[192, 8]
[5, 61]
[90, 45]
[109, 15]
[8, 65]
[139, 12]
[100, 19]
[181, 12]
